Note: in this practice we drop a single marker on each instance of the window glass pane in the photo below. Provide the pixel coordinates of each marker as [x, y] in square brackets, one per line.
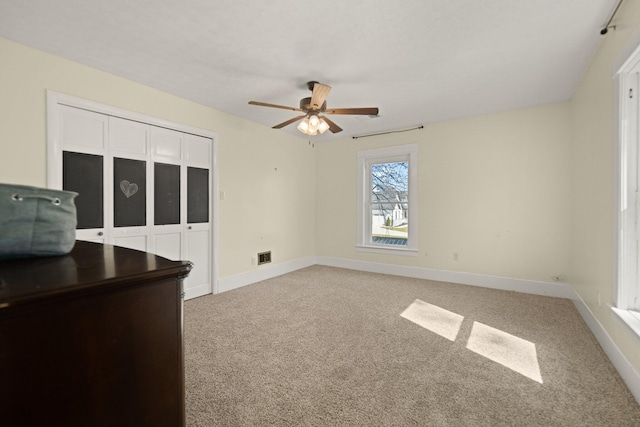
[389, 180]
[389, 203]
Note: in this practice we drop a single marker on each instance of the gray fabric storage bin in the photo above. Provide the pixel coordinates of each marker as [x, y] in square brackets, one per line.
[36, 221]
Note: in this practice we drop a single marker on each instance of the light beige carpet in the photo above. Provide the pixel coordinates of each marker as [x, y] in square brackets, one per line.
[333, 347]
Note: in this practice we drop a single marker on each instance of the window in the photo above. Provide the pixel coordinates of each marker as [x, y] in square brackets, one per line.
[628, 292]
[387, 200]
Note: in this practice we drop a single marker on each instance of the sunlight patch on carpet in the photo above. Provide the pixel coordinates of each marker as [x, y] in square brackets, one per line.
[508, 350]
[436, 319]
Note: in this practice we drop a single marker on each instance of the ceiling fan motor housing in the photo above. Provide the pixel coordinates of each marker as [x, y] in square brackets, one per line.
[305, 105]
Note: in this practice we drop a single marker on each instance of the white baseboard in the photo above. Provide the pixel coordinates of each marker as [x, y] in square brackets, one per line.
[263, 273]
[560, 290]
[629, 375]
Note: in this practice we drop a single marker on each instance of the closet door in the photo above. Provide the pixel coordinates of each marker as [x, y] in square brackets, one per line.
[197, 237]
[83, 138]
[140, 186]
[169, 193]
[188, 158]
[130, 184]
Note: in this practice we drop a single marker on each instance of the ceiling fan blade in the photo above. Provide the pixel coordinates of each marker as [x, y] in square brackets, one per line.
[288, 122]
[319, 95]
[361, 111]
[264, 104]
[334, 128]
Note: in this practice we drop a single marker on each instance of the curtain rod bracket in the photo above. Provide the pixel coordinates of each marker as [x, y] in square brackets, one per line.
[606, 30]
[608, 25]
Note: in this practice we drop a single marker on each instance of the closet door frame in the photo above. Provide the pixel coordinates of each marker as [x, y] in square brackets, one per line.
[55, 151]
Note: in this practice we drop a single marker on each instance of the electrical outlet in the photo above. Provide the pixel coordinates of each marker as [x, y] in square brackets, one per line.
[253, 260]
[455, 256]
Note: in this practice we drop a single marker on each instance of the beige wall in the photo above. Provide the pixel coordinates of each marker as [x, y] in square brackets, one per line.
[495, 189]
[264, 208]
[593, 261]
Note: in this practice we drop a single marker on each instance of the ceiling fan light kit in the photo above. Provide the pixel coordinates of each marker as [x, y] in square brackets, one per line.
[312, 122]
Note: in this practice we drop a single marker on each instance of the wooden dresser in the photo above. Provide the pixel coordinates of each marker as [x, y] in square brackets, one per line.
[93, 338]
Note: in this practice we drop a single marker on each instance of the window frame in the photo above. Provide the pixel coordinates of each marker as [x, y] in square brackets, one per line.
[366, 158]
[627, 299]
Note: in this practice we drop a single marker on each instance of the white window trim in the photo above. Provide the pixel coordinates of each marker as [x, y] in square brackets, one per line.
[628, 202]
[630, 319]
[379, 155]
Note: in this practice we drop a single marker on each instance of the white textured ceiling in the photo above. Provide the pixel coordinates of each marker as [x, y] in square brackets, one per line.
[419, 61]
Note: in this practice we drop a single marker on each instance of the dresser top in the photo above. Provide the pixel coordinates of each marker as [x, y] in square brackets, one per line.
[89, 268]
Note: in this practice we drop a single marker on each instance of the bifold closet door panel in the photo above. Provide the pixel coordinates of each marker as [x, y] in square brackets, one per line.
[167, 230]
[130, 204]
[82, 136]
[132, 182]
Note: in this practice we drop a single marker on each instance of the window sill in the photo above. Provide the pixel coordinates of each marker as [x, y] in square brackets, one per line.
[387, 250]
[631, 319]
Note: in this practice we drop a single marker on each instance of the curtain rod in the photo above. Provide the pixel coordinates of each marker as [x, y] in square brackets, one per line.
[605, 30]
[385, 133]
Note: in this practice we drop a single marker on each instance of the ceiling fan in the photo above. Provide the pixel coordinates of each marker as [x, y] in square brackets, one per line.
[313, 107]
